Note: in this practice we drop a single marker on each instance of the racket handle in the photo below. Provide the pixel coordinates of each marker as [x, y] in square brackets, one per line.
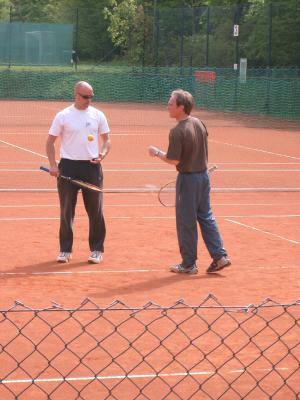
[211, 169]
[44, 168]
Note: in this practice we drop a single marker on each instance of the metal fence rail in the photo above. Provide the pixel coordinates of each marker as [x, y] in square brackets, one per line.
[207, 351]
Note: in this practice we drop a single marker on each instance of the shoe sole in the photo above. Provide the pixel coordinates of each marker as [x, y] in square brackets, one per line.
[95, 261]
[63, 261]
[218, 268]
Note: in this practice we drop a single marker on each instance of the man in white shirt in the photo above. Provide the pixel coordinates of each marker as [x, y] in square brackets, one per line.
[84, 143]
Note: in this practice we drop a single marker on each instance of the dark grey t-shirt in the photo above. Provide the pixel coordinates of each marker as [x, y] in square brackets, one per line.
[188, 144]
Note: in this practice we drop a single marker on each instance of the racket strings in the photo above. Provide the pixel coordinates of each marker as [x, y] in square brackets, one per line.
[166, 194]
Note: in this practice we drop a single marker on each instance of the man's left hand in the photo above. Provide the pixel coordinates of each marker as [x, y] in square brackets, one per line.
[153, 151]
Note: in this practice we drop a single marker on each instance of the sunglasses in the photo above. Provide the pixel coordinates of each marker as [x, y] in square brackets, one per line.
[86, 96]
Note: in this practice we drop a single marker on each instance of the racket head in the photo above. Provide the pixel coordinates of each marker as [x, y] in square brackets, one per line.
[167, 194]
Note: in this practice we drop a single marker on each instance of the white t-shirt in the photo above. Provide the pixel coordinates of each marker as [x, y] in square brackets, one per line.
[74, 127]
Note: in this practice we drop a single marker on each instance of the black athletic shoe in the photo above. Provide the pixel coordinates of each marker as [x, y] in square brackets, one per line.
[179, 269]
[218, 265]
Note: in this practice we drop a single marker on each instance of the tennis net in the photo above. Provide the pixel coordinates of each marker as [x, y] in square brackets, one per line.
[252, 154]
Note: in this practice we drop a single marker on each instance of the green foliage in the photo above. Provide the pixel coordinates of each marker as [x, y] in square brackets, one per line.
[172, 32]
[4, 10]
[126, 27]
[30, 10]
[121, 16]
[284, 34]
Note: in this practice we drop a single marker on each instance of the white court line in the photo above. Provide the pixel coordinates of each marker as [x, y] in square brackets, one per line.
[149, 218]
[114, 271]
[148, 133]
[262, 231]
[228, 216]
[255, 163]
[142, 205]
[153, 170]
[131, 376]
[255, 149]
[83, 272]
[258, 170]
[154, 189]
[214, 141]
[107, 170]
[157, 162]
[261, 216]
[106, 162]
[23, 149]
[82, 206]
[289, 267]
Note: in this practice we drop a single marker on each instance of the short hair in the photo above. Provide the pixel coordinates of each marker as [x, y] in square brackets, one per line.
[185, 99]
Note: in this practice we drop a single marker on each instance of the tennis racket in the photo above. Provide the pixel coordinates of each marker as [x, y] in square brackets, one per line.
[77, 182]
[166, 194]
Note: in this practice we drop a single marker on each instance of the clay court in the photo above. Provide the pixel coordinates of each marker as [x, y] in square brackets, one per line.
[255, 199]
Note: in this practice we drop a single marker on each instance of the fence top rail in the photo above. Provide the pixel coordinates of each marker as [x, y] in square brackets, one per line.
[210, 302]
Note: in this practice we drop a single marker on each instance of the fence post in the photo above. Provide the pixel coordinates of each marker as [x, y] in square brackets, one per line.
[156, 34]
[181, 41]
[207, 36]
[236, 23]
[76, 38]
[9, 37]
[270, 35]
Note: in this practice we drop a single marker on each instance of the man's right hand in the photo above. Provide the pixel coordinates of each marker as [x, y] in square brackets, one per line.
[53, 170]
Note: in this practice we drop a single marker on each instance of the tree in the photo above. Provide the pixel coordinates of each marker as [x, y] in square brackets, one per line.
[4, 10]
[91, 38]
[126, 26]
[283, 35]
[31, 10]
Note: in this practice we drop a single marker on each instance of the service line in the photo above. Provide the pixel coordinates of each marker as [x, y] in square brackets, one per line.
[261, 231]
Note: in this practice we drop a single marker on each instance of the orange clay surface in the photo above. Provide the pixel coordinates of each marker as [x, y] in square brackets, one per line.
[260, 229]
[141, 244]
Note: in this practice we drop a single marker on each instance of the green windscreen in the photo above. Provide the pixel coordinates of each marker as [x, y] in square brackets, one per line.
[265, 92]
[23, 43]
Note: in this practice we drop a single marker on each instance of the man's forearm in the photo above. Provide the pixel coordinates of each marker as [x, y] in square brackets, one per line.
[156, 152]
[106, 147]
[163, 156]
[50, 150]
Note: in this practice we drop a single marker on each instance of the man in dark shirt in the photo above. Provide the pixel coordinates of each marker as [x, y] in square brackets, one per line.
[188, 152]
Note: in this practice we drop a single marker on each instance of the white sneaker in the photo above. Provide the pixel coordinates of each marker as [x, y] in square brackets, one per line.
[96, 257]
[64, 257]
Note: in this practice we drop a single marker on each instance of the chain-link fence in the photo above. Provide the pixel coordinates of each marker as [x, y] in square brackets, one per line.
[35, 43]
[150, 34]
[143, 52]
[207, 351]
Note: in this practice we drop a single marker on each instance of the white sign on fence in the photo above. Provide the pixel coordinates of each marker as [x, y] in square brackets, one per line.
[236, 29]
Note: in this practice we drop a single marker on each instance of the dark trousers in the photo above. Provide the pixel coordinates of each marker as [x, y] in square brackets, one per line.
[192, 206]
[93, 203]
